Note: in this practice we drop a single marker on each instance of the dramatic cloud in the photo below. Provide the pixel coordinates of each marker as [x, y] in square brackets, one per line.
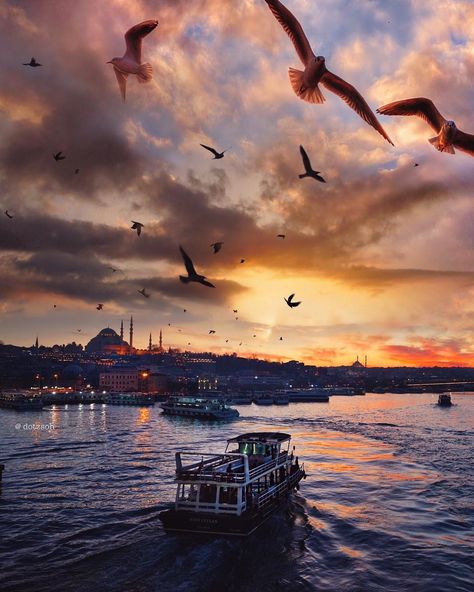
[381, 255]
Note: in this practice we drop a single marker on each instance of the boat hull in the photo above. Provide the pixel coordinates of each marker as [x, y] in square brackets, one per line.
[226, 524]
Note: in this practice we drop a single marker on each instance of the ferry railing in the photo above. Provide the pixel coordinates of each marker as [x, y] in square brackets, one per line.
[207, 469]
[266, 499]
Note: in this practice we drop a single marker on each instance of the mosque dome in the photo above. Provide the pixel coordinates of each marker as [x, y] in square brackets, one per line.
[103, 340]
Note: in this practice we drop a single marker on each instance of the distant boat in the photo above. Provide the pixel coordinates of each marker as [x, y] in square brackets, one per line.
[134, 399]
[344, 391]
[233, 492]
[263, 398]
[240, 399]
[198, 408]
[20, 401]
[281, 399]
[312, 395]
[444, 400]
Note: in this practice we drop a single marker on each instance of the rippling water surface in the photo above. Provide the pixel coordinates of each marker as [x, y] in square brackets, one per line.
[387, 504]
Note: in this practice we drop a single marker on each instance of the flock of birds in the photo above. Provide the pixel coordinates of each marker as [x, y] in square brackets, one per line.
[306, 85]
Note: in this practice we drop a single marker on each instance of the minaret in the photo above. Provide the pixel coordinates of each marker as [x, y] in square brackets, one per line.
[121, 331]
[366, 360]
[149, 344]
[36, 343]
[161, 340]
[131, 333]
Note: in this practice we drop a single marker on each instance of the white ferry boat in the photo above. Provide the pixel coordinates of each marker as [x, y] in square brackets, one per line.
[199, 408]
[312, 395]
[234, 492]
[136, 399]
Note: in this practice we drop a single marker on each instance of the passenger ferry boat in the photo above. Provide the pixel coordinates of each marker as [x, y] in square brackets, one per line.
[240, 399]
[136, 399]
[20, 401]
[235, 492]
[263, 398]
[312, 395]
[198, 408]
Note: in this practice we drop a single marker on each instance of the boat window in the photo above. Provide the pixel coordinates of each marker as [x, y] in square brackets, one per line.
[228, 495]
[246, 448]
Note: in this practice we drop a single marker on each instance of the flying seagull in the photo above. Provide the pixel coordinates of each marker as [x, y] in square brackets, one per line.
[290, 302]
[211, 331]
[137, 226]
[58, 156]
[309, 171]
[144, 293]
[33, 63]
[76, 171]
[130, 62]
[449, 136]
[192, 276]
[217, 155]
[305, 83]
[242, 261]
[217, 246]
[100, 306]
[8, 215]
[281, 235]
[235, 310]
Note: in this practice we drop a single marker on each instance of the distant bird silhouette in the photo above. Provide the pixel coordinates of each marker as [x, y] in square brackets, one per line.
[144, 293]
[33, 63]
[100, 306]
[281, 338]
[217, 246]
[449, 136]
[8, 215]
[309, 171]
[235, 310]
[192, 276]
[184, 310]
[254, 336]
[227, 341]
[76, 171]
[130, 62]
[242, 261]
[54, 306]
[416, 164]
[305, 84]
[281, 235]
[137, 226]
[217, 155]
[58, 156]
[240, 343]
[290, 302]
[211, 331]
[236, 318]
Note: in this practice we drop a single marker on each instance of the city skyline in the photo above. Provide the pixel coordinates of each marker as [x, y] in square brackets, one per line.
[380, 256]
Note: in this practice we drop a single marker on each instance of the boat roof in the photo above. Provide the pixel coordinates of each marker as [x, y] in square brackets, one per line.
[261, 437]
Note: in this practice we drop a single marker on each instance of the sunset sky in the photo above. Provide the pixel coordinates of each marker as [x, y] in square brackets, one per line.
[381, 256]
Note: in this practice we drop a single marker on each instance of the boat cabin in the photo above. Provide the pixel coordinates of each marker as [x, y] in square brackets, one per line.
[251, 471]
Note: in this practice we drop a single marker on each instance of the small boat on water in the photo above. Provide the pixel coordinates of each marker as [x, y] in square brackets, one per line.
[135, 399]
[263, 398]
[311, 395]
[21, 401]
[281, 399]
[240, 399]
[444, 400]
[198, 408]
[236, 491]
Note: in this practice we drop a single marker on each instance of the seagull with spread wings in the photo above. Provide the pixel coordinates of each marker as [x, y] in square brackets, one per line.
[217, 246]
[131, 61]
[137, 226]
[290, 302]
[309, 171]
[305, 83]
[8, 215]
[217, 155]
[449, 135]
[33, 63]
[192, 276]
[144, 293]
